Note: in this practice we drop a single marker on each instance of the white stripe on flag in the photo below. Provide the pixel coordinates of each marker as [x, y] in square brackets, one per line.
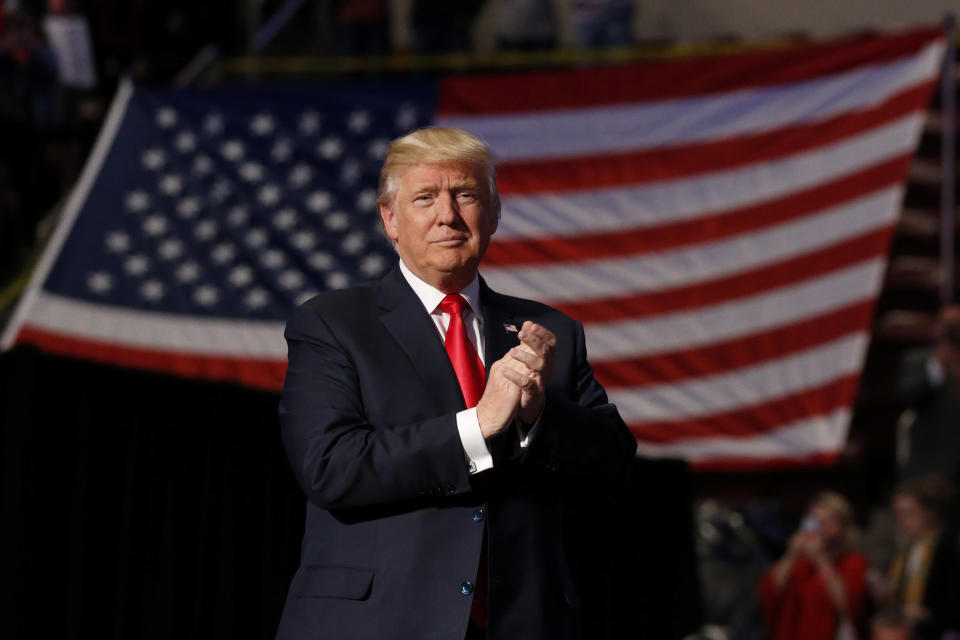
[803, 438]
[599, 279]
[686, 121]
[158, 331]
[684, 199]
[765, 311]
[744, 387]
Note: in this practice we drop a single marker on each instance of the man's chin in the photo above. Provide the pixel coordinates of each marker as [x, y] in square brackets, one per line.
[460, 269]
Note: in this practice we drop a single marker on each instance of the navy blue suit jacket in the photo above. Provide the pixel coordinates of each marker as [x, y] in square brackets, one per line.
[395, 522]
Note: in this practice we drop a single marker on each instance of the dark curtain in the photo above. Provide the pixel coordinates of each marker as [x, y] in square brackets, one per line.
[634, 551]
[135, 505]
[140, 506]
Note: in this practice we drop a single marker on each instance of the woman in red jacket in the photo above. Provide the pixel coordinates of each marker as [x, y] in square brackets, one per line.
[818, 590]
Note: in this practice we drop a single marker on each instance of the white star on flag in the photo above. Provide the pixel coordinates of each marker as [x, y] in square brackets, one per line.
[269, 195]
[155, 225]
[262, 124]
[153, 159]
[152, 290]
[136, 265]
[240, 275]
[330, 148]
[238, 216]
[117, 241]
[166, 118]
[213, 124]
[170, 249]
[358, 121]
[206, 295]
[319, 201]
[232, 150]
[100, 282]
[285, 219]
[256, 298]
[273, 258]
[188, 272]
[223, 253]
[205, 230]
[171, 184]
[136, 201]
[185, 142]
[309, 123]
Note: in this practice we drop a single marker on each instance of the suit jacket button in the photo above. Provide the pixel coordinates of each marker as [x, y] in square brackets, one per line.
[478, 515]
[466, 588]
[421, 492]
[451, 488]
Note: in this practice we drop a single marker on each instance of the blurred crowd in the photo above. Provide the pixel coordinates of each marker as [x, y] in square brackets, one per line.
[437, 26]
[824, 587]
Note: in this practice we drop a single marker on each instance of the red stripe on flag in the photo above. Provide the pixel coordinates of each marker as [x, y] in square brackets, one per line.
[738, 285]
[767, 464]
[523, 251]
[563, 89]
[756, 420]
[752, 349]
[260, 374]
[608, 170]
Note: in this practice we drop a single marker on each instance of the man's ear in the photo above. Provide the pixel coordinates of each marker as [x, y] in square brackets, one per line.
[389, 221]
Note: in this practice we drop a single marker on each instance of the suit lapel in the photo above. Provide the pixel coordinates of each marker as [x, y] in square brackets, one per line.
[411, 326]
[498, 339]
[497, 317]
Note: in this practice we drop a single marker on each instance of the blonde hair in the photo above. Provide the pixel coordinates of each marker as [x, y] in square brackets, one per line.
[841, 508]
[437, 145]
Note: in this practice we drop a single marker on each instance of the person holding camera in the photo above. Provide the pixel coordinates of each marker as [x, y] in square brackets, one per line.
[818, 589]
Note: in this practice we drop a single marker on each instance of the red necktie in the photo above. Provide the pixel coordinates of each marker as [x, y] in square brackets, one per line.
[462, 354]
[470, 375]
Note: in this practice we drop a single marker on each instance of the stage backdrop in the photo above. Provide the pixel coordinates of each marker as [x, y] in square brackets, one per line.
[719, 224]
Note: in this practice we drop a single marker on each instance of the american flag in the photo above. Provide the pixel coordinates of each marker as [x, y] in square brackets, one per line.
[720, 225]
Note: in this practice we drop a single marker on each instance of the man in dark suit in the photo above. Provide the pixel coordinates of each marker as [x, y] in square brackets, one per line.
[437, 428]
[929, 387]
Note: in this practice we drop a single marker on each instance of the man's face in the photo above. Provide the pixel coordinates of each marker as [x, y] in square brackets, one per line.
[441, 223]
[913, 520]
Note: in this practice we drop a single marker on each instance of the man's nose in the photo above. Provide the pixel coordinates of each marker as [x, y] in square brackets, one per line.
[447, 210]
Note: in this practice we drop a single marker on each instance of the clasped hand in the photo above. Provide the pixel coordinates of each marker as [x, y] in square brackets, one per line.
[516, 382]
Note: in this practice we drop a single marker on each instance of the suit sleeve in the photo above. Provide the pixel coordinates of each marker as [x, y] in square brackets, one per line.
[580, 432]
[340, 459]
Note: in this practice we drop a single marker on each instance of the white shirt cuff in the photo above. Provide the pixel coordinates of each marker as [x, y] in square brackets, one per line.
[474, 446]
[935, 371]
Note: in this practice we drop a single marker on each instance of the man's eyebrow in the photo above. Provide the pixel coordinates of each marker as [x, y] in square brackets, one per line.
[466, 183]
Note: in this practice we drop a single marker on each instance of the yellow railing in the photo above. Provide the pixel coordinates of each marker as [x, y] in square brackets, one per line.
[293, 65]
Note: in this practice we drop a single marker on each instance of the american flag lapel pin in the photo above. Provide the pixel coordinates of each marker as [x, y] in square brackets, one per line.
[510, 327]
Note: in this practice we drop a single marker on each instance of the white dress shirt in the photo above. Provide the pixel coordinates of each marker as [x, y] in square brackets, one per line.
[474, 446]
